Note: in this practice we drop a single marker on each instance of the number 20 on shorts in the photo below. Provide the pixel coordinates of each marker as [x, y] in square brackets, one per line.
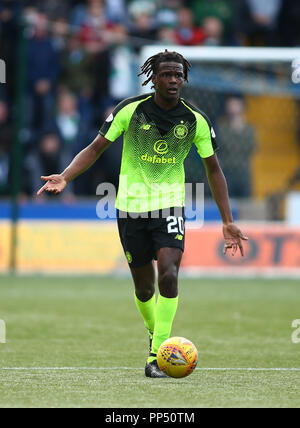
[175, 224]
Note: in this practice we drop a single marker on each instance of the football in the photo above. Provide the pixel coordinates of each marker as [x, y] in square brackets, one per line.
[177, 357]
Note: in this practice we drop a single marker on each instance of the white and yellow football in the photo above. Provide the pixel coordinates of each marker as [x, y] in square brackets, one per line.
[177, 357]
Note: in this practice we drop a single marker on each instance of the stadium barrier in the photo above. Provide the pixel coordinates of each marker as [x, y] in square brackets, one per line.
[93, 247]
[271, 250]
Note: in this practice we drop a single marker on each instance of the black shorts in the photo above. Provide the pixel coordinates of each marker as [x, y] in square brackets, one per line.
[143, 234]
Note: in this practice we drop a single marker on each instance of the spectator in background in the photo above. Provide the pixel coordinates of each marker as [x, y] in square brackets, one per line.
[142, 29]
[5, 145]
[139, 7]
[86, 13]
[94, 29]
[72, 130]
[95, 35]
[213, 31]
[122, 84]
[188, 33]
[167, 35]
[43, 68]
[116, 11]
[77, 74]
[76, 67]
[107, 168]
[101, 72]
[59, 30]
[223, 10]
[167, 13]
[237, 144]
[92, 25]
[289, 23]
[49, 154]
[53, 8]
[257, 22]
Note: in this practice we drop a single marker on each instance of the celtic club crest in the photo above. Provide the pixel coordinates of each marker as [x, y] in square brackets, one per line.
[180, 131]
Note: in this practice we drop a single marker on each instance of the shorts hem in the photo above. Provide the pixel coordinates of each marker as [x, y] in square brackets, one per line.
[138, 265]
[159, 247]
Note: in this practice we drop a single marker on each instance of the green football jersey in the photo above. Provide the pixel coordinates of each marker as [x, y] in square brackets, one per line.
[156, 142]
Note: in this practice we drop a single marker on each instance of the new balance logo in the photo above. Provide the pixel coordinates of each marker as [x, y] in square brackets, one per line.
[146, 127]
[179, 237]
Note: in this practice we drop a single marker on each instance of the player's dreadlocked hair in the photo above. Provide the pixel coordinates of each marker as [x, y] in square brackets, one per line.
[151, 65]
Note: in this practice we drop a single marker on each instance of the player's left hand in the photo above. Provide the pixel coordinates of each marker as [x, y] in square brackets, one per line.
[233, 238]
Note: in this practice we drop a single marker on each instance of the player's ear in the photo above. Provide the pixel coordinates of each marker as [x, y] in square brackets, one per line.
[154, 79]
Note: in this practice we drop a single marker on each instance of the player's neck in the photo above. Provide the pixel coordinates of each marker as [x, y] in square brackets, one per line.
[165, 104]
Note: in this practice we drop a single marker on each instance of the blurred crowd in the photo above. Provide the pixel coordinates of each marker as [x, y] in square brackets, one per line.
[81, 59]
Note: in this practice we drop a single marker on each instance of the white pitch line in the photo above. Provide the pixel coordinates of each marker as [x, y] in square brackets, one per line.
[259, 369]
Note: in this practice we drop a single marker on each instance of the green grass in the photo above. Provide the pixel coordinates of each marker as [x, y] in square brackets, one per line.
[90, 327]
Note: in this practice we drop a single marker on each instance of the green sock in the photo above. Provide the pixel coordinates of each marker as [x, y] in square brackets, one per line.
[147, 310]
[164, 315]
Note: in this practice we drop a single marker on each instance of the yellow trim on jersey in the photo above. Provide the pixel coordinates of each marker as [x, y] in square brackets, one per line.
[203, 134]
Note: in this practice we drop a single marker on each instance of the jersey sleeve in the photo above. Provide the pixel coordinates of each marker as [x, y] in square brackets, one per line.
[205, 138]
[116, 123]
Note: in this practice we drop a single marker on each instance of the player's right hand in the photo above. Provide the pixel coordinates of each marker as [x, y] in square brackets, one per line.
[233, 238]
[54, 184]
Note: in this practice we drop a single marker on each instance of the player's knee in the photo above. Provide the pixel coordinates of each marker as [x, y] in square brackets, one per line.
[144, 292]
[168, 283]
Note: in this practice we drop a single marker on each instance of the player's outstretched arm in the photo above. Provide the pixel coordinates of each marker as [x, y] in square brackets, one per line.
[232, 234]
[83, 160]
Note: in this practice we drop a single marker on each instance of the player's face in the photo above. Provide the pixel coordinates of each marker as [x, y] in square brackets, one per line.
[168, 80]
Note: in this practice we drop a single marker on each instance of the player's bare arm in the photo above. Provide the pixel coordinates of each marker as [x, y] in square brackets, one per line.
[217, 182]
[56, 183]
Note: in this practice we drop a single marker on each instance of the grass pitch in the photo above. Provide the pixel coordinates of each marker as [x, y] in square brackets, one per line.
[80, 342]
